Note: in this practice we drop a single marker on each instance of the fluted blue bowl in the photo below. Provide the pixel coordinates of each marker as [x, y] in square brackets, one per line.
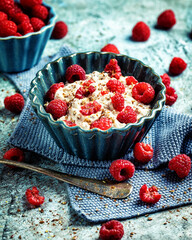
[95, 144]
[21, 53]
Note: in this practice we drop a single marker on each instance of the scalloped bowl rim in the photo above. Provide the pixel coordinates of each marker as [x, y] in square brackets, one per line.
[47, 116]
[43, 29]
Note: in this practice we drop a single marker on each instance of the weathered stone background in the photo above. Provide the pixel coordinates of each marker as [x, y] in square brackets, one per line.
[92, 24]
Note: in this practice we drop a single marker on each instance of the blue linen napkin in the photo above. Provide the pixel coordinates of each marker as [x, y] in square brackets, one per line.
[170, 135]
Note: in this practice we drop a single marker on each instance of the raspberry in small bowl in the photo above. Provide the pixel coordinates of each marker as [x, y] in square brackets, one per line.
[23, 36]
[97, 116]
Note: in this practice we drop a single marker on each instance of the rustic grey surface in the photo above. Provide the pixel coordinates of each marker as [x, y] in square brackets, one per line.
[92, 24]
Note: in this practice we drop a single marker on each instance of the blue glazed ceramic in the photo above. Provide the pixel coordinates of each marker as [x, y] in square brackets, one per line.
[95, 144]
[21, 53]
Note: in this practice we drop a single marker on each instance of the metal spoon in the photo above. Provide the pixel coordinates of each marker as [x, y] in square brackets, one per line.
[108, 189]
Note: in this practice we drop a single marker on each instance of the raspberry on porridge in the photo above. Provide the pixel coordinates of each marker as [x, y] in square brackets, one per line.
[98, 97]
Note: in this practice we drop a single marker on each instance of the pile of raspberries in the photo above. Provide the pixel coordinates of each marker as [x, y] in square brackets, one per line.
[18, 19]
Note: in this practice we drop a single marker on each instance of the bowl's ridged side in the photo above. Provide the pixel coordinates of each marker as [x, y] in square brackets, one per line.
[95, 144]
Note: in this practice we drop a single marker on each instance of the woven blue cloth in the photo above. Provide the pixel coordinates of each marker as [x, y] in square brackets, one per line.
[170, 135]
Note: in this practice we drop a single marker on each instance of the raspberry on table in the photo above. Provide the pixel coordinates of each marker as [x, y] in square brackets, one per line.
[177, 66]
[33, 197]
[102, 123]
[166, 79]
[115, 85]
[57, 108]
[122, 169]
[143, 152]
[7, 28]
[113, 69]
[50, 94]
[166, 19]
[74, 73]
[37, 24]
[110, 48]
[141, 32]
[128, 115]
[60, 30]
[143, 92]
[90, 108]
[14, 103]
[25, 28]
[69, 123]
[130, 80]
[181, 164]
[118, 101]
[112, 230]
[171, 96]
[30, 3]
[40, 11]
[149, 195]
[21, 17]
[14, 154]
[3, 16]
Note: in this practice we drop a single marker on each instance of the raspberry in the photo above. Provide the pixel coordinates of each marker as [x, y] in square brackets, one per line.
[60, 30]
[171, 96]
[143, 152]
[141, 32]
[90, 108]
[110, 48]
[131, 80]
[122, 169]
[143, 92]
[177, 66]
[57, 108]
[30, 3]
[181, 164]
[102, 123]
[104, 92]
[17, 34]
[50, 94]
[81, 93]
[86, 90]
[75, 73]
[25, 28]
[17, 8]
[37, 24]
[113, 69]
[3, 16]
[7, 28]
[14, 103]
[166, 79]
[118, 101]
[33, 197]
[40, 11]
[166, 19]
[69, 123]
[6, 5]
[14, 154]
[20, 17]
[112, 230]
[128, 115]
[149, 195]
[115, 85]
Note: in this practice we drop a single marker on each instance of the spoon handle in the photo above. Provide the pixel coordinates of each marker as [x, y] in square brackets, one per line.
[108, 189]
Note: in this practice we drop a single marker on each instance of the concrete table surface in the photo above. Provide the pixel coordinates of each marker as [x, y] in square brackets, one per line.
[92, 24]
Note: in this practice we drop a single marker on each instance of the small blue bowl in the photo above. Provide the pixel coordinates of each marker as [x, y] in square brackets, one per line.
[95, 144]
[22, 53]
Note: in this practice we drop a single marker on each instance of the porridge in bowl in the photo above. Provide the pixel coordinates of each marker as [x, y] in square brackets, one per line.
[99, 99]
